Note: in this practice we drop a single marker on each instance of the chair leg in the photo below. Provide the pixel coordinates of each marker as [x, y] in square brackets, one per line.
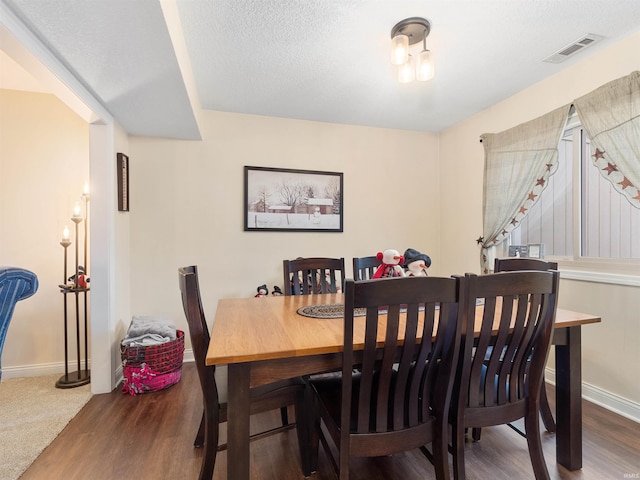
[440, 458]
[199, 440]
[475, 434]
[314, 425]
[211, 431]
[305, 418]
[545, 410]
[344, 462]
[457, 451]
[534, 442]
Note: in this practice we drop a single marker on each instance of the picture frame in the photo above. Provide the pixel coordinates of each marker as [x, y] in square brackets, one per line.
[122, 167]
[536, 250]
[290, 200]
[519, 251]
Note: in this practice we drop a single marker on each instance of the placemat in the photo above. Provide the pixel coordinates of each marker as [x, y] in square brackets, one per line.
[332, 310]
[336, 310]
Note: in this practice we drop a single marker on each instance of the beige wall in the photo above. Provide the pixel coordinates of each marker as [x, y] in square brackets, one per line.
[187, 203]
[610, 351]
[43, 166]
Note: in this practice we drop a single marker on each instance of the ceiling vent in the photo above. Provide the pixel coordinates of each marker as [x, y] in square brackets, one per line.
[574, 47]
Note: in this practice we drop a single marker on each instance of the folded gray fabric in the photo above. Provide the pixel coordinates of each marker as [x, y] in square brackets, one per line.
[142, 325]
[145, 340]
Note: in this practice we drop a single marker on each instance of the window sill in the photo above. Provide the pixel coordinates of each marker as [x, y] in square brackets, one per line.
[601, 271]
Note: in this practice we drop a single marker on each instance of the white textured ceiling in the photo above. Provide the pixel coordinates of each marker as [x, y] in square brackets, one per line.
[321, 60]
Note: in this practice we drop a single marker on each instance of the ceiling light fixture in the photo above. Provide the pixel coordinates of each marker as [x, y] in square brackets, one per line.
[411, 31]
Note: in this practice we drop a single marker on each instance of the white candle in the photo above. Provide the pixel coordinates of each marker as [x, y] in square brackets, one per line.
[76, 210]
[65, 233]
[85, 190]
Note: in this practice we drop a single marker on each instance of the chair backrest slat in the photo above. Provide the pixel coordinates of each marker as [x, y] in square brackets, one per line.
[365, 267]
[304, 276]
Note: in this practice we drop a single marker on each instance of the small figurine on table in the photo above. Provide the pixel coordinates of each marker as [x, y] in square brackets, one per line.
[263, 291]
[416, 263]
[390, 266]
[276, 291]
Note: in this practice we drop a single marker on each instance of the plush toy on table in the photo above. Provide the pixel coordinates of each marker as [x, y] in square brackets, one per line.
[276, 291]
[263, 291]
[416, 263]
[391, 264]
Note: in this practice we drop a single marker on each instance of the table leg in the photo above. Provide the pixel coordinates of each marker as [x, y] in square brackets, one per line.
[569, 399]
[238, 422]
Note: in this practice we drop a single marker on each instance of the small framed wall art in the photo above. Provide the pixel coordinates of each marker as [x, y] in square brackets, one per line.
[122, 167]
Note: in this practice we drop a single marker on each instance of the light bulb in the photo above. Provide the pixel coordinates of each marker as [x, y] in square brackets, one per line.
[425, 66]
[406, 72]
[399, 49]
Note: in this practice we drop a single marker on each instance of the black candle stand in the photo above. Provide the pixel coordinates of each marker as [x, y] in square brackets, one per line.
[77, 288]
[81, 376]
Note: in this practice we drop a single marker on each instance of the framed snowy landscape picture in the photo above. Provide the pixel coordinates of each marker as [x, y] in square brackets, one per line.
[279, 199]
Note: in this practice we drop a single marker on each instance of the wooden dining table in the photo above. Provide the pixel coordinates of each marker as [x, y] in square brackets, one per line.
[262, 340]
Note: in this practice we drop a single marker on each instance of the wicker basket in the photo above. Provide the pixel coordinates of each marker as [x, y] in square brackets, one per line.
[152, 368]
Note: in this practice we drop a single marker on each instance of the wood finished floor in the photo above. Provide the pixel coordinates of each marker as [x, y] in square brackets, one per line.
[150, 436]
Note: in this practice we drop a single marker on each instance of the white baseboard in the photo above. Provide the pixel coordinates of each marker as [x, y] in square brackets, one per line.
[43, 369]
[603, 398]
[37, 370]
[188, 355]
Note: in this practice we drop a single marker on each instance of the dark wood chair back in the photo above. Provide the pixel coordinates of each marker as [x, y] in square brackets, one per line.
[394, 395]
[304, 276]
[502, 363]
[199, 334]
[515, 264]
[263, 398]
[365, 267]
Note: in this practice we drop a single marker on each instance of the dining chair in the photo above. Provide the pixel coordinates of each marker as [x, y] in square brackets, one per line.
[365, 267]
[515, 264]
[392, 396]
[263, 398]
[503, 356]
[304, 276]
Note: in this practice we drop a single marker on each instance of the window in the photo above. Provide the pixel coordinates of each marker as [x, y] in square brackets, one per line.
[579, 215]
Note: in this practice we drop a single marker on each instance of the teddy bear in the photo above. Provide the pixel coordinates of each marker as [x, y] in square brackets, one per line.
[391, 264]
[416, 263]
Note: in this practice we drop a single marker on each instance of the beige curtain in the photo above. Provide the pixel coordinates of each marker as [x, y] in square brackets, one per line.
[518, 163]
[611, 117]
